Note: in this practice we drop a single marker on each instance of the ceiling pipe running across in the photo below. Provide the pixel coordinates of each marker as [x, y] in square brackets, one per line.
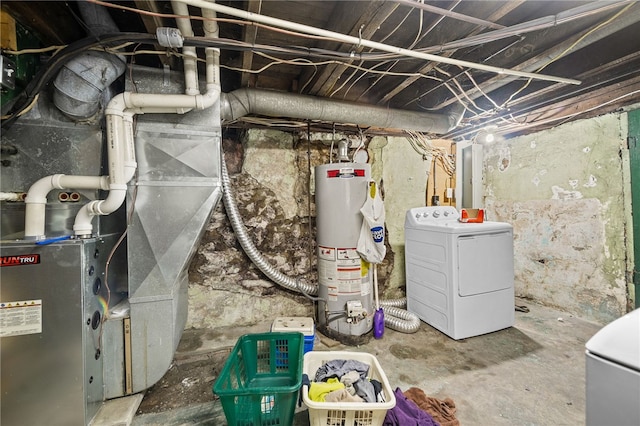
[248, 101]
[358, 41]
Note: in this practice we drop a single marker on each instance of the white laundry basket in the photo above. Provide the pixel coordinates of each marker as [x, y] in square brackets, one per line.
[346, 413]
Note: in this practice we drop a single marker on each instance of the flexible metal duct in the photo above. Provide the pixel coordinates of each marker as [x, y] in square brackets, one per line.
[242, 102]
[248, 246]
[397, 303]
[399, 319]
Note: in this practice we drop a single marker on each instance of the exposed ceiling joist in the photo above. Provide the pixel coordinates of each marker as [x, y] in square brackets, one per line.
[499, 14]
[400, 53]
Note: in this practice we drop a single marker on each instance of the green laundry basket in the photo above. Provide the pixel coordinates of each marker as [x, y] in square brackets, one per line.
[259, 383]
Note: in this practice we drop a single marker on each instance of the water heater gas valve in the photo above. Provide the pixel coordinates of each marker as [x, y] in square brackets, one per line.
[355, 311]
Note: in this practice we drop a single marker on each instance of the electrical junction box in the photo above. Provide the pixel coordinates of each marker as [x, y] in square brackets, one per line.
[302, 325]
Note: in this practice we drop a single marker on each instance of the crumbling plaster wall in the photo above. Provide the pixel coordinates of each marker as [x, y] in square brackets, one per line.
[563, 192]
[404, 173]
[270, 172]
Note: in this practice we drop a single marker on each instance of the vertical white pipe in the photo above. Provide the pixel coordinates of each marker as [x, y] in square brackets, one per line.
[129, 161]
[211, 30]
[190, 63]
[119, 126]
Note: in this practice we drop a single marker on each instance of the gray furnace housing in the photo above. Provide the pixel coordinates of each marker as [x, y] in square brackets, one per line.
[59, 373]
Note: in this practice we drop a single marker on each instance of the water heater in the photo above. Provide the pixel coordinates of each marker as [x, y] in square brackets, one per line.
[344, 280]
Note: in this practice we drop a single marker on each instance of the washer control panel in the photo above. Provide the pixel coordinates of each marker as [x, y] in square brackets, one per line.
[433, 213]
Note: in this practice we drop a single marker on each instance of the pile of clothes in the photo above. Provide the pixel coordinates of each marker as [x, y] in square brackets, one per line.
[415, 408]
[342, 380]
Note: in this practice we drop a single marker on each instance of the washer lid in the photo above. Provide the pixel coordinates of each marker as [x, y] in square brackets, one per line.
[457, 227]
[619, 341]
[473, 228]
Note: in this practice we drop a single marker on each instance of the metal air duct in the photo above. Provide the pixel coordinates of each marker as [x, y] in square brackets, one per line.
[242, 102]
[79, 85]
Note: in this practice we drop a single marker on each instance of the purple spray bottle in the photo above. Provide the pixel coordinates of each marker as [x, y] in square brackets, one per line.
[378, 317]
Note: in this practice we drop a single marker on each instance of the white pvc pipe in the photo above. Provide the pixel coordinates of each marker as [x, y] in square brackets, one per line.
[267, 20]
[119, 115]
[117, 195]
[120, 141]
[36, 199]
[190, 63]
[211, 30]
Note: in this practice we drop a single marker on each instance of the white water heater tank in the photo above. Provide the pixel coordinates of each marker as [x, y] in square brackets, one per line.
[344, 280]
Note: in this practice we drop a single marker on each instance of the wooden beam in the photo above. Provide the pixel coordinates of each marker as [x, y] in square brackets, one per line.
[151, 23]
[52, 21]
[540, 109]
[506, 8]
[348, 18]
[250, 34]
[591, 104]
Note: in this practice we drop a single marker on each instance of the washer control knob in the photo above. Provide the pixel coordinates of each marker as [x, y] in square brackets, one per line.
[436, 214]
[446, 213]
[417, 215]
[425, 214]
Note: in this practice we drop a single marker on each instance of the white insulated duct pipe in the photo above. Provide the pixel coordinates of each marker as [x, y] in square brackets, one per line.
[400, 319]
[306, 29]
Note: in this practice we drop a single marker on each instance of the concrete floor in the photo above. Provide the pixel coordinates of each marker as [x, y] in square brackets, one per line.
[530, 374]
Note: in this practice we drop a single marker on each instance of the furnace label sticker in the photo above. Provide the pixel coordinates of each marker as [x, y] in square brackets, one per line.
[21, 259]
[20, 318]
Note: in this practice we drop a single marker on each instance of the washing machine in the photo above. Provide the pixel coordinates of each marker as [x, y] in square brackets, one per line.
[459, 275]
[613, 373]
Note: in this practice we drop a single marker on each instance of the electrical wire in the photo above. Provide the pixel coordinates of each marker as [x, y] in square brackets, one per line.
[54, 49]
[384, 39]
[422, 145]
[394, 63]
[568, 49]
[216, 19]
[571, 116]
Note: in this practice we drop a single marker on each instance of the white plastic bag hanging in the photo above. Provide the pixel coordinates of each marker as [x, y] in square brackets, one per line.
[371, 242]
